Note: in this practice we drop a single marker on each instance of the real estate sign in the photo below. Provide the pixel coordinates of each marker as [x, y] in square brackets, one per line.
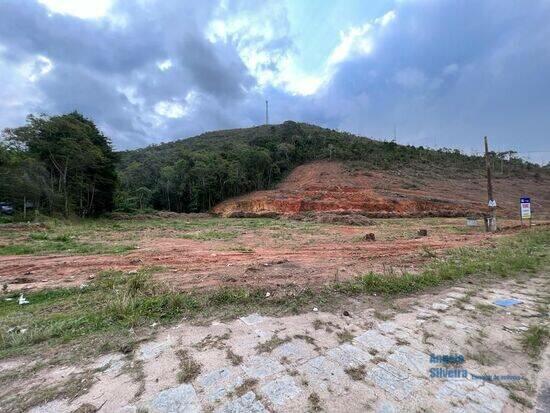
[525, 207]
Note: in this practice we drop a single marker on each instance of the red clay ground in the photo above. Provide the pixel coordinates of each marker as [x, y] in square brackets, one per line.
[208, 252]
[322, 187]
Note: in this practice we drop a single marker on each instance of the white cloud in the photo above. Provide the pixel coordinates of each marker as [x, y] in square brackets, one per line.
[175, 110]
[164, 65]
[386, 18]
[354, 41]
[254, 34]
[36, 68]
[84, 9]
[171, 110]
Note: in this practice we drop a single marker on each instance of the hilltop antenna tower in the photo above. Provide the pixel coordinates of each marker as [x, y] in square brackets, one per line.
[267, 112]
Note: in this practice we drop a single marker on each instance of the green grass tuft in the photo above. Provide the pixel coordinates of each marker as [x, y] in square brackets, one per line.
[535, 339]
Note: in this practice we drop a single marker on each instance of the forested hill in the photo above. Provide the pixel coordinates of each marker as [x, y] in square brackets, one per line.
[196, 173]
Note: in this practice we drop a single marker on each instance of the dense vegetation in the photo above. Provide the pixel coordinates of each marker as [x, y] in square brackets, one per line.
[60, 164]
[63, 164]
[196, 173]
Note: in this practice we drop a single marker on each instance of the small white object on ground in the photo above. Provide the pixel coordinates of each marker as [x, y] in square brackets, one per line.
[23, 300]
[267, 294]
[315, 309]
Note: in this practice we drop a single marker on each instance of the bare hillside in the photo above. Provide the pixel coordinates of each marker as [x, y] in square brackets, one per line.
[332, 187]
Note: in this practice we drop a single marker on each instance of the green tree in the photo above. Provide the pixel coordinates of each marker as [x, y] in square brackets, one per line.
[77, 158]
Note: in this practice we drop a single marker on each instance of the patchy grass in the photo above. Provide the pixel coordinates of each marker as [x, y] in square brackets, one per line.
[384, 316]
[210, 342]
[44, 243]
[314, 402]
[189, 368]
[271, 344]
[209, 235]
[520, 400]
[234, 358]
[356, 373]
[245, 387]
[98, 317]
[483, 357]
[344, 336]
[486, 309]
[535, 339]
[74, 386]
[525, 252]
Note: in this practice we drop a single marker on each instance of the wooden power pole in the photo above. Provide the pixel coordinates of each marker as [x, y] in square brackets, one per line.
[491, 223]
[267, 112]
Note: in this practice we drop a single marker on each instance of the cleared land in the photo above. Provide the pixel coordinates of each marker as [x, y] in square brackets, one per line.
[190, 251]
[328, 188]
[126, 342]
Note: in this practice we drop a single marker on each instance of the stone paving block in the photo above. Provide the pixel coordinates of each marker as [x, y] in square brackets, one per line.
[152, 350]
[440, 306]
[373, 339]
[425, 315]
[456, 295]
[387, 327]
[252, 319]
[386, 407]
[449, 323]
[127, 409]
[244, 404]
[181, 399]
[456, 389]
[110, 364]
[259, 367]
[54, 406]
[471, 408]
[348, 355]
[489, 396]
[217, 383]
[295, 351]
[280, 390]
[323, 373]
[415, 361]
[395, 381]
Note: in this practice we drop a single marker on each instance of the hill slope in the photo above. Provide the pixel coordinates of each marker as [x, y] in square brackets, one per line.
[196, 174]
[331, 187]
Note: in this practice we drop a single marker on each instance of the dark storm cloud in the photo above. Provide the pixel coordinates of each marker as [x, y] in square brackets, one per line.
[442, 72]
[448, 72]
[95, 61]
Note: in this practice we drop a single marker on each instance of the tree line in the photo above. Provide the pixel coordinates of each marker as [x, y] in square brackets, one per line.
[65, 165]
[58, 165]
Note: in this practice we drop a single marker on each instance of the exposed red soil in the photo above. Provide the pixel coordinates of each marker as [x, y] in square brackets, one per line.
[322, 187]
[334, 253]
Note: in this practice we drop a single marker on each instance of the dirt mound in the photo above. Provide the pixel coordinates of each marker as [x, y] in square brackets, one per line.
[329, 187]
[322, 188]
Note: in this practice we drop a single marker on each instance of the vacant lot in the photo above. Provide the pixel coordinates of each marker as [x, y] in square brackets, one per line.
[95, 293]
[198, 252]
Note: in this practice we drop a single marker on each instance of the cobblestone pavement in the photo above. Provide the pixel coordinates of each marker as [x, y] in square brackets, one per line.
[367, 360]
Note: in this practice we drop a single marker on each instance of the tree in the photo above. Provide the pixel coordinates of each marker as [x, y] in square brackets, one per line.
[78, 162]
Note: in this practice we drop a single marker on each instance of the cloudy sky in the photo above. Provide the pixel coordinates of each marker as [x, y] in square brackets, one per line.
[440, 73]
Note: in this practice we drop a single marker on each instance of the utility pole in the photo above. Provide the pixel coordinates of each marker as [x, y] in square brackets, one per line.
[491, 220]
[267, 112]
